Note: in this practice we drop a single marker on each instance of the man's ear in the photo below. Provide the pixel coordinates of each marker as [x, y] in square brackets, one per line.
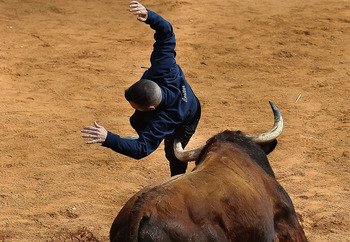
[151, 108]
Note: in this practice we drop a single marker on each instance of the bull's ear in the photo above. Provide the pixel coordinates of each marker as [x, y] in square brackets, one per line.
[269, 147]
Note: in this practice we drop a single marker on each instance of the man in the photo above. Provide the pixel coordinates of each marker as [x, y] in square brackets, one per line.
[165, 105]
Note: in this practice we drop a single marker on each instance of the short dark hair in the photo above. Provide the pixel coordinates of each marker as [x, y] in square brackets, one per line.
[143, 93]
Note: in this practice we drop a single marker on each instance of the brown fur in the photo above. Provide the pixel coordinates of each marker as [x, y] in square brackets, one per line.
[227, 197]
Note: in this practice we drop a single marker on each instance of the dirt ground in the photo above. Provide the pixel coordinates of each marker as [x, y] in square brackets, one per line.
[65, 64]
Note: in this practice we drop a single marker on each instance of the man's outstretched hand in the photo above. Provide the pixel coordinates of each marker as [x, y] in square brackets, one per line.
[98, 134]
[139, 10]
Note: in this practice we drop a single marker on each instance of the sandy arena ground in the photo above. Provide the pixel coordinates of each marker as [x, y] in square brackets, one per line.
[65, 64]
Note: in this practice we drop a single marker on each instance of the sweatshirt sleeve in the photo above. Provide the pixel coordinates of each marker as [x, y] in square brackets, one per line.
[132, 148]
[163, 55]
[148, 141]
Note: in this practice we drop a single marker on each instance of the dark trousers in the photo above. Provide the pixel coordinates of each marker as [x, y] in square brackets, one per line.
[183, 133]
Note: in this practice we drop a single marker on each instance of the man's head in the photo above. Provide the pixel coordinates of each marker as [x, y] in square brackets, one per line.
[144, 95]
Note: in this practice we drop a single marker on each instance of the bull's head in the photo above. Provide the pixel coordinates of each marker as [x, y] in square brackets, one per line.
[260, 139]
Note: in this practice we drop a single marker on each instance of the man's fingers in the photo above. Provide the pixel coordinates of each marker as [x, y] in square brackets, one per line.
[137, 10]
[93, 141]
[134, 3]
[90, 135]
[96, 128]
[97, 133]
[97, 125]
[134, 6]
[90, 132]
[90, 128]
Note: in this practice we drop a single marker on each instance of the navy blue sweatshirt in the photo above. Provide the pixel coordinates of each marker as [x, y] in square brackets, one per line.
[178, 100]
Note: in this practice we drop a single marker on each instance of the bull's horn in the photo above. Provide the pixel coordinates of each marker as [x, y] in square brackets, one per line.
[185, 156]
[274, 132]
[259, 139]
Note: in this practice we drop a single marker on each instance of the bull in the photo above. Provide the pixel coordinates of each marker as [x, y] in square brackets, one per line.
[231, 195]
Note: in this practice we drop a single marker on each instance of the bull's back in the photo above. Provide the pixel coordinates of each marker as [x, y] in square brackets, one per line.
[174, 212]
[166, 213]
[210, 205]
